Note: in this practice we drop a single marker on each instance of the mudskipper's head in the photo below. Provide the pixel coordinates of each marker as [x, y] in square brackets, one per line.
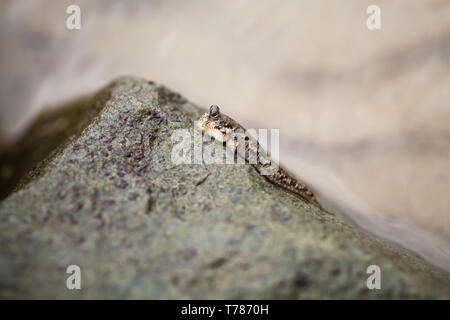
[211, 122]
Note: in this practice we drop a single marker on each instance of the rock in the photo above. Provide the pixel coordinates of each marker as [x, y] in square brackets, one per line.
[50, 130]
[111, 201]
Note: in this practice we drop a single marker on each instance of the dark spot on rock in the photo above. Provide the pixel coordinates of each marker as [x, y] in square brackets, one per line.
[77, 206]
[301, 279]
[289, 296]
[133, 196]
[138, 154]
[60, 195]
[335, 271]
[110, 202]
[218, 263]
[72, 219]
[132, 121]
[122, 184]
[79, 240]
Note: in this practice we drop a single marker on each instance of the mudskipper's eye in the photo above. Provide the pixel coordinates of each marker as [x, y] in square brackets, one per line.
[214, 111]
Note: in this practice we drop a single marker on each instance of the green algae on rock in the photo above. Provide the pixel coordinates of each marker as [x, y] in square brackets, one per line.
[138, 226]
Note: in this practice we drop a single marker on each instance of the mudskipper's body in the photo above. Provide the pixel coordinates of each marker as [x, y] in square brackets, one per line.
[225, 129]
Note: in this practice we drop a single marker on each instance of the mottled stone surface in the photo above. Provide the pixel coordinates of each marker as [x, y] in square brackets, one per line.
[112, 202]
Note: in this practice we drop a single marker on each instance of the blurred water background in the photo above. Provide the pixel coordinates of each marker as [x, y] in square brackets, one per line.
[364, 116]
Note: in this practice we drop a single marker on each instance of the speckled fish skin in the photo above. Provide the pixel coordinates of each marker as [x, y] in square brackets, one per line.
[222, 128]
